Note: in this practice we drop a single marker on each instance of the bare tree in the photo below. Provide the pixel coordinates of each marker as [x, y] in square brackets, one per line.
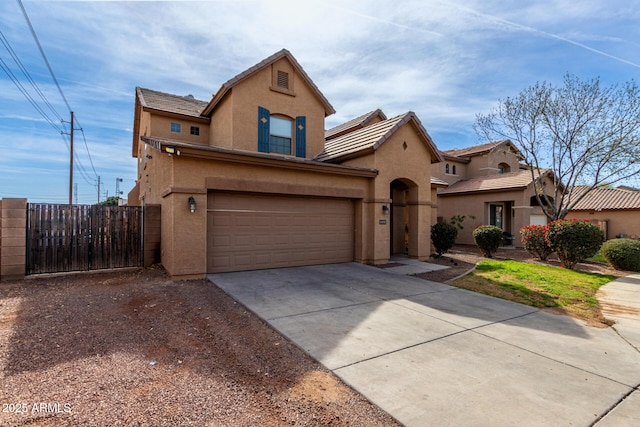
[580, 134]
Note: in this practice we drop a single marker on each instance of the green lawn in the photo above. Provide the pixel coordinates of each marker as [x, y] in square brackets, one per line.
[539, 286]
[598, 258]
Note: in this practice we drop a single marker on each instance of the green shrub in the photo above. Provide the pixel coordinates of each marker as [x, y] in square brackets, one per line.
[443, 236]
[573, 240]
[533, 241]
[622, 254]
[487, 238]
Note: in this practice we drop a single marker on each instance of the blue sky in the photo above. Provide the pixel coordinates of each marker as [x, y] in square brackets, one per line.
[447, 61]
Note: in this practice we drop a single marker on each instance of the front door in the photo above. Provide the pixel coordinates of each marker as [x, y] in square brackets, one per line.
[496, 215]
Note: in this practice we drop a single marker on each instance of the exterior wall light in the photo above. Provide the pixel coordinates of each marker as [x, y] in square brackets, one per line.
[385, 210]
[172, 150]
[192, 204]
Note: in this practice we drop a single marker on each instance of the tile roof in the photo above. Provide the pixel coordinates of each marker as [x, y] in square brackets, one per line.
[284, 53]
[438, 181]
[606, 199]
[479, 149]
[353, 124]
[185, 105]
[369, 138]
[496, 182]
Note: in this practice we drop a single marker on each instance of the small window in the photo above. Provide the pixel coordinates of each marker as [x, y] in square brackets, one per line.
[195, 131]
[283, 80]
[503, 168]
[454, 169]
[280, 135]
[176, 127]
[446, 168]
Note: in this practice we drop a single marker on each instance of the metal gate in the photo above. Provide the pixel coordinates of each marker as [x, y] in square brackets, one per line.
[83, 237]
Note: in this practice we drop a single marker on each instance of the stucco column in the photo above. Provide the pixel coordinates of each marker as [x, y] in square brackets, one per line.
[419, 230]
[184, 235]
[381, 231]
[13, 238]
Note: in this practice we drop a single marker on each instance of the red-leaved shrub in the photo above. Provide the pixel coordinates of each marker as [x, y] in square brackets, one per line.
[533, 241]
[573, 240]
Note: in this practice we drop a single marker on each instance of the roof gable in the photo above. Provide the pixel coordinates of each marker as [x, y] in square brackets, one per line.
[353, 124]
[284, 53]
[370, 138]
[166, 102]
[478, 150]
[495, 182]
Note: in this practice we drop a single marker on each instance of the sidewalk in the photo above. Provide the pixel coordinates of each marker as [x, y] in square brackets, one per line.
[620, 301]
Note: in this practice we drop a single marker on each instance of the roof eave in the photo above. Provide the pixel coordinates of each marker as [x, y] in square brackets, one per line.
[209, 152]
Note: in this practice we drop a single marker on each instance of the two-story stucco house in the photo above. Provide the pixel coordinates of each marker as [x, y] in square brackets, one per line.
[489, 185]
[248, 180]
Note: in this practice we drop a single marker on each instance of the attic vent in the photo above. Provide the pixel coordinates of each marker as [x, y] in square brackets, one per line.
[283, 79]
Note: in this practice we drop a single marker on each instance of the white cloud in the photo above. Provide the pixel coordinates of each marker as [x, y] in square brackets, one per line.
[445, 61]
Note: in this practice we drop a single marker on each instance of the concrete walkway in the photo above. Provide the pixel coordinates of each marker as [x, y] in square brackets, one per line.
[432, 354]
[620, 301]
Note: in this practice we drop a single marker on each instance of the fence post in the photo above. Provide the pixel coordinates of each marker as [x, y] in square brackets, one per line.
[13, 238]
[151, 240]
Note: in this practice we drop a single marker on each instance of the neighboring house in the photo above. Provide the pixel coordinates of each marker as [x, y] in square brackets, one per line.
[615, 210]
[248, 181]
[488, 185]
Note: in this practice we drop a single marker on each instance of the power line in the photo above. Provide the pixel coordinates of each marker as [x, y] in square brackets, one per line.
[27, 95]
[74, 155]
[46, 61]
[87, 148]
[18, 62]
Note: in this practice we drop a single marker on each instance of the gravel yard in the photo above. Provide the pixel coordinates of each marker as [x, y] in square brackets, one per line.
[135, 348]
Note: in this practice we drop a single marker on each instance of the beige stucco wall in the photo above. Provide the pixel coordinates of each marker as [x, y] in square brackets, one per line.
[241, 110]
[477, 205]
[412, 165]
[439, 170]
[618, 221]
[155, 174]
[170, 180]
[161, 126]
[487, 164]
[184, 251]
[221, 130]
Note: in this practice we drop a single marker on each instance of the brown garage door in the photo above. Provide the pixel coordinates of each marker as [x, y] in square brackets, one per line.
[250, 231]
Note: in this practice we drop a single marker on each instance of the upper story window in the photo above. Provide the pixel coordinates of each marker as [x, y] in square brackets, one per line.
[504, 168]
[176, 127]
[454, 169]
[280, 135]
[446, 168]
[195, 130]
[277, 134]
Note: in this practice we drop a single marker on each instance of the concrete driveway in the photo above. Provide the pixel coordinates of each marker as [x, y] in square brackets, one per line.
[432, 354]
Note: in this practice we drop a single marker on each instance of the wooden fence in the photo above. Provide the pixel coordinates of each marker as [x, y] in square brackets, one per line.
[83, 237]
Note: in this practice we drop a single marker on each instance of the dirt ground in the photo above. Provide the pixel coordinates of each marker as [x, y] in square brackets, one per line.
[133, 348]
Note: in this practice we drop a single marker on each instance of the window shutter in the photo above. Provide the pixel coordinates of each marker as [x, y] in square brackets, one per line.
[263, 129]
[301, 136]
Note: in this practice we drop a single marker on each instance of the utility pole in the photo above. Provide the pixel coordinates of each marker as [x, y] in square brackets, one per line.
[71, 163]
[98, 189]
[118, 192]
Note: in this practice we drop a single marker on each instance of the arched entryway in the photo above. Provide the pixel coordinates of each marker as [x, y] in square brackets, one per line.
[404, 196]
